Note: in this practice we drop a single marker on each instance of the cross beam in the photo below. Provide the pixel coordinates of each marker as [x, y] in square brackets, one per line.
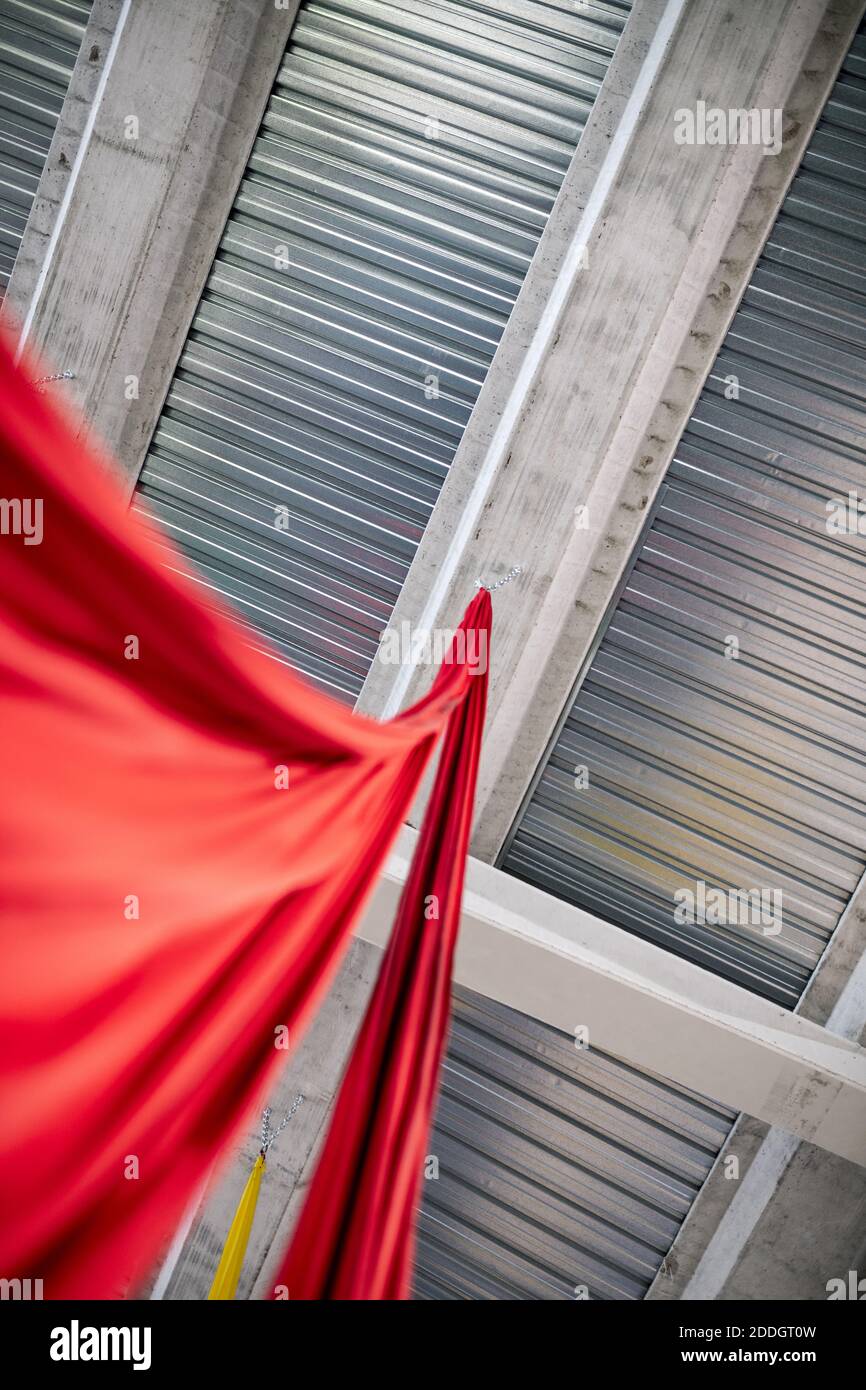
[574, 971]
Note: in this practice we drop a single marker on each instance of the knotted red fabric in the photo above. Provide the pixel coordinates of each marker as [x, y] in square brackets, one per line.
[187, 834]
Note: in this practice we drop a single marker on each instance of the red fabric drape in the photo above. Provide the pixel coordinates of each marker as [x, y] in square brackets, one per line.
[168, 908]
[355, 1236]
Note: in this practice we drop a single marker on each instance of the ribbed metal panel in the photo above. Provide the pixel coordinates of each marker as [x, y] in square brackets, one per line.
[557, 1167]
[39, 43]
[751, 772]
[407, 162]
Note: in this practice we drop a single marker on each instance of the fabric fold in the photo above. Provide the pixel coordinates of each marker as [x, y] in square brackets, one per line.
[356, 1234]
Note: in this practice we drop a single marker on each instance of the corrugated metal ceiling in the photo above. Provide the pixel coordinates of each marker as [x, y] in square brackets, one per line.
[747, 772]
[559, 1168]
[404, 171]
[39, 43]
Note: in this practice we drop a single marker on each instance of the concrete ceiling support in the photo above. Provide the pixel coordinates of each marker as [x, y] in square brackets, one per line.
[573, 971]
[645, 257]
[794, 1216]
[95, 59]
[163, 108]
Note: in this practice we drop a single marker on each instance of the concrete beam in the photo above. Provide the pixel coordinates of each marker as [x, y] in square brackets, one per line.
[155, 138]
[94, 56]
[789, 1216]
[570, 969]
[646, 255]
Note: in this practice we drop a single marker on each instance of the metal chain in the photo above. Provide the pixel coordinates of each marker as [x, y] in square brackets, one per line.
[58, 376]
[269, 1138]
[506, 579]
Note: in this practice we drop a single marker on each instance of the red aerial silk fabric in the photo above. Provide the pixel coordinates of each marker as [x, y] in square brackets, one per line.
[355, 1236]
[133, 1047]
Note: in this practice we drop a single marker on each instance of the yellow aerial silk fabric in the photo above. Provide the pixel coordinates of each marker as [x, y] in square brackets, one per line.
[225, 1283]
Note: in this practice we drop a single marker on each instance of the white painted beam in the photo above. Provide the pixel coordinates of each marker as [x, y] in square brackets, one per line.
[570, 969]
